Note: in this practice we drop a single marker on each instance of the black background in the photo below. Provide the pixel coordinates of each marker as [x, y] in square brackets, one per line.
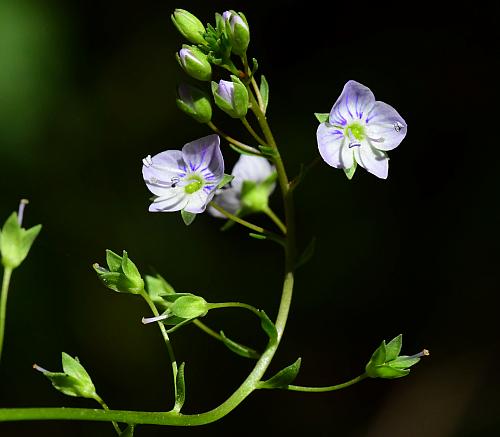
[87, 90]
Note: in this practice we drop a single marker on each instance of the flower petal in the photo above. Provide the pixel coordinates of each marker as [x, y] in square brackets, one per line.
[371, 159]
[250, 168]
[384, 122]
[227, 198]
[331, 145]
[354, 102]
[162, 169]
[175, 200]
[198, 201]
[204, 156]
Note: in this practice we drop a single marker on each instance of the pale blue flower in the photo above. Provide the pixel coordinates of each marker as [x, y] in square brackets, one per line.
[360, 130]
[185, 180]
[255, 174]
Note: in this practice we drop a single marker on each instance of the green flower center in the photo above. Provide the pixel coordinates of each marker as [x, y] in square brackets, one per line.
[195, 185]
[357, 131]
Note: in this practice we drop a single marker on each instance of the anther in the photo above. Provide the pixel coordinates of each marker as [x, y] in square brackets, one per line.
[147, 161]
[175, 180]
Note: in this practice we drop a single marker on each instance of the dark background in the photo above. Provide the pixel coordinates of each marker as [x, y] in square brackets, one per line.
[87, 90]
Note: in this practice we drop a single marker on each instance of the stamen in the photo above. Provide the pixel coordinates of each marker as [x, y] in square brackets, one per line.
[353, 141]
[20, 213]
[40, 369]
[175, 180]
[398, 126]
[146, 320]
[424, 353]
[147, 161]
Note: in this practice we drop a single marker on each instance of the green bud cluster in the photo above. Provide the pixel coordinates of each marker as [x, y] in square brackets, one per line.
[121, 275]
[387, 363]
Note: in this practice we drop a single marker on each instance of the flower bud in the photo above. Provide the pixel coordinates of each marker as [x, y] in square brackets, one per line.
[194, 103]
[237, 31]
[122, 274]
[189, 26]
[195, 63]
[231, 97]
[16, 241]
[254, 196]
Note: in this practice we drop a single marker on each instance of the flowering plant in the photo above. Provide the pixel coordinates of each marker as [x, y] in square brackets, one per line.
[190, 179]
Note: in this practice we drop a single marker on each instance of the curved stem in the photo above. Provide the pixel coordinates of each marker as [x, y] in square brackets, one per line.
[7, 273]
[238, 144]
[164, 334]
[237, 219]
[303, 172]
[234, 305]
[207, 330]
[106, 408]
[270, 213]
[329, 388]
[254, 134]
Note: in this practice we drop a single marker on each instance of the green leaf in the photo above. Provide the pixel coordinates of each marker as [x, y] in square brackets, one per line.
[322, 117]
[349, 172]
[113, 260]
[128, 432]
[72, 367]
[404, 361]
[226, 179]
[283, 378]
[188, 217]
[307, 254]
[257, 236]
[264, 92]
[180, 396]
[387, 372]
[255, 64]
[131, 271]
[241, 151]
[268, 151]
[268, 327]
[377, 359]
[157, 288]
[239, 349]
[393, 348]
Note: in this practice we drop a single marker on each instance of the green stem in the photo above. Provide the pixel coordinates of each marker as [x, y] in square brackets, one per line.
[7, 273]
[254, 134]
[207, 330]
[270, 213]
[258, 94]
[238, 144]
[106, 408]
[329, 388]
[294, 184]
[235, 305]
[237, 219]
[164, 334]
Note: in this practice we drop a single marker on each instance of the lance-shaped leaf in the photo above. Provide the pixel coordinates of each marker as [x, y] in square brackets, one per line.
[283, 378]
[180, 395]
[239, 349]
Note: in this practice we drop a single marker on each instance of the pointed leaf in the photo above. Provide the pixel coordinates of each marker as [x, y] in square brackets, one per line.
[113, 260]
[188, 217]
[180, 396]
[307, 254]
[268, 327]
[239, 349]
[226, 179]
[264, 92]
[403, 362]
[393, 348]
[283, 378]
[322, 117]
[388, 372]
[128, 432]
[349, 172]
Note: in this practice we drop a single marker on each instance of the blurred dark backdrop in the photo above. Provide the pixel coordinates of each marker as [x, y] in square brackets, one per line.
[87, 90]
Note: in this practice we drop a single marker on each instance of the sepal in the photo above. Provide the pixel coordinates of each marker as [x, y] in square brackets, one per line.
[121, 275]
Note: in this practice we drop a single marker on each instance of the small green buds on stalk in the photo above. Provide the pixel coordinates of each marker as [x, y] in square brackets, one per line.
[189, 26]
[73, 381]
[231, 97]
[237, 31]
[15, 241]
[387, 363]
[122, 276]
[194, 103]
[194, 62]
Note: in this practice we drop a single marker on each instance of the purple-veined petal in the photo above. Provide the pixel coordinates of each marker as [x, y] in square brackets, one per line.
[163, 169]
[250, 168]
[331, 145]
[204, 157]
[353, 104]
[175, 200]
[372, 160]
[198, 201]
[226, 91]
[384, 123]
[227, 198]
